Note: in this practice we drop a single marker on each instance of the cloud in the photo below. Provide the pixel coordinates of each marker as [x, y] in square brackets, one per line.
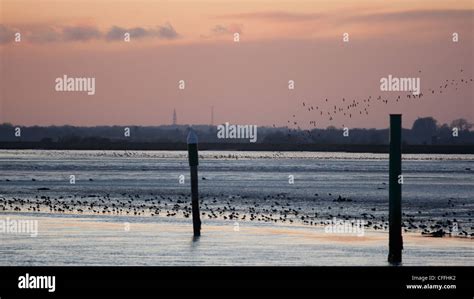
[390, 16]
[221, 29]
[80, 33]
[115, 33]
[40, 34]
[43, 34]
[139, 32]
[6, 34]
[167, 32]
[277, 16]
[163, 32]
[46, 34]
[399, 16]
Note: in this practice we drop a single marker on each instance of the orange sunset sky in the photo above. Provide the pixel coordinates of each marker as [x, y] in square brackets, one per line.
[246, 81]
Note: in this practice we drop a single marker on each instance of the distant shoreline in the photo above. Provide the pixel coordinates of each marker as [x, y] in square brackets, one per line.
[350, 148]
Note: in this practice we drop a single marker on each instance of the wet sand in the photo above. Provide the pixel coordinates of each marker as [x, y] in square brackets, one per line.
[158, 241]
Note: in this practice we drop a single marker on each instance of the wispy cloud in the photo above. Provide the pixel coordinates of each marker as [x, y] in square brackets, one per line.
[6, 34]
[42, 34]
[164, 32]
[413, 15]
[80, 33]
[277, 16]
[167, 32]
[47, 34]
[222, 29]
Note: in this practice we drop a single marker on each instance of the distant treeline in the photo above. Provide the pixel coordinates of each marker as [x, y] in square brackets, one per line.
[425, 131]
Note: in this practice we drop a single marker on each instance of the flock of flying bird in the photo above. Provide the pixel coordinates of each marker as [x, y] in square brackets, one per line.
[347, 109]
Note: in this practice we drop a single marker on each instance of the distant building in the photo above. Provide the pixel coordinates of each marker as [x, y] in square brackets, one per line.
[175, 118]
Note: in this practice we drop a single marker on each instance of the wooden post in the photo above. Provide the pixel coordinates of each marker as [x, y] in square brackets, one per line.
[192, 141]
[395, 242]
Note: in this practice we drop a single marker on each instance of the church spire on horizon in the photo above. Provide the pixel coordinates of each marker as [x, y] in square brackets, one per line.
[175, 118]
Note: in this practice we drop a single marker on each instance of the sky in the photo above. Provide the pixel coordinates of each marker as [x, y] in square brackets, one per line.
[137, 82]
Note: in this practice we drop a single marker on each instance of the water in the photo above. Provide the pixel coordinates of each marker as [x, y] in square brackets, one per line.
[437, 189]
[430, 181]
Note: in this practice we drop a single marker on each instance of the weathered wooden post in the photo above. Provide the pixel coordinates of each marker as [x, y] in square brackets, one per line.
[395, 242]
[192, 141]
